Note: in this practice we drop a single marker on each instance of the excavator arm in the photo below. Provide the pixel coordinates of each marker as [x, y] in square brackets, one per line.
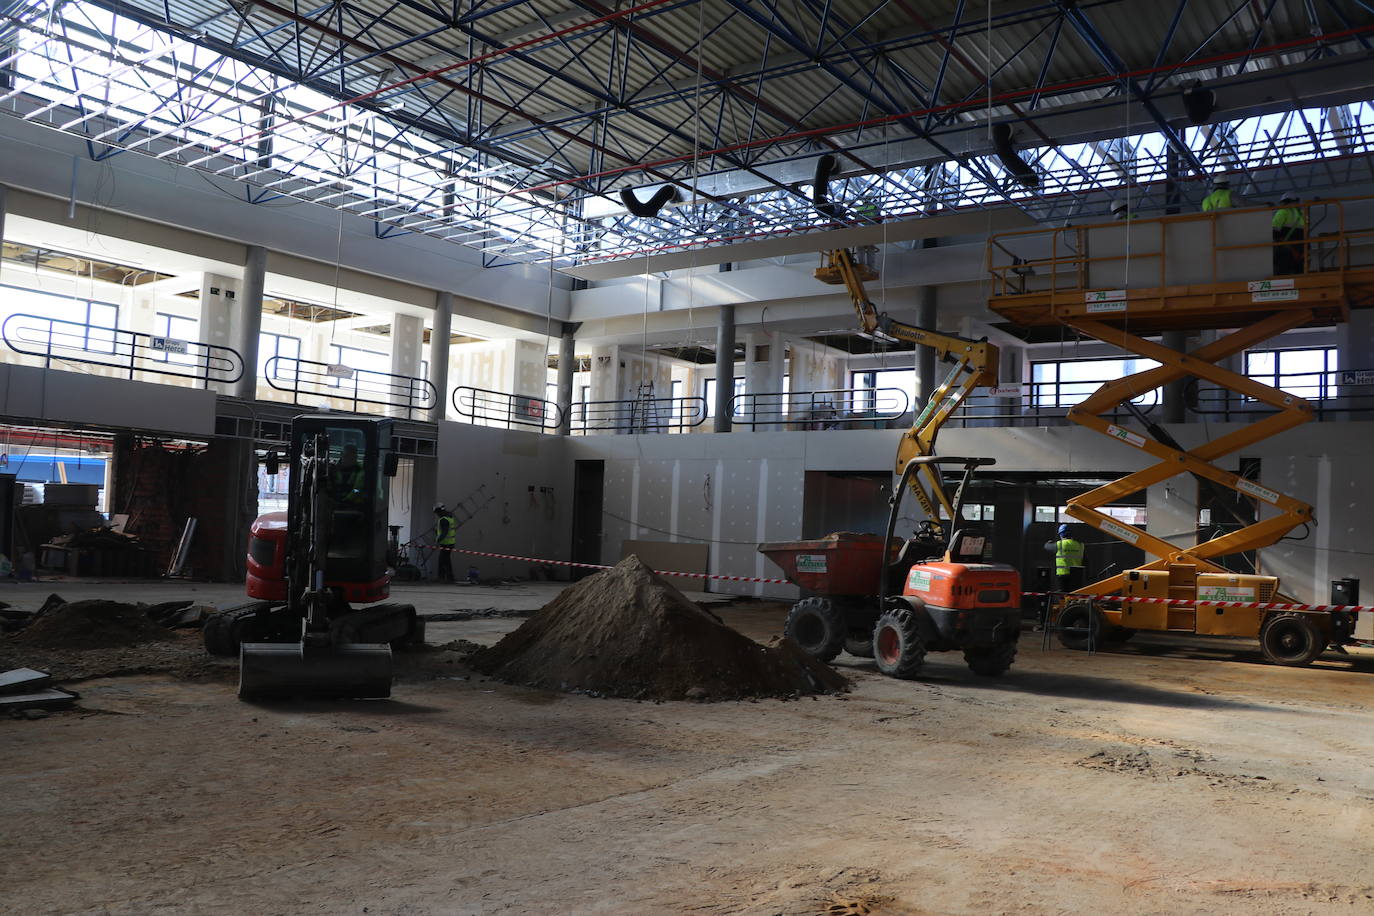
[973, 363]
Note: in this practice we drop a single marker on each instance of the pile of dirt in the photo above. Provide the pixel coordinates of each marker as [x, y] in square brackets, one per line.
[92, 624]
[625, 632]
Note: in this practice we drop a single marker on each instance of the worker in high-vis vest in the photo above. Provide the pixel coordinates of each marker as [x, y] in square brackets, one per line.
[445, 538]
[347, 479]
[1068, 561]
[1290, 231]
[1220, 198]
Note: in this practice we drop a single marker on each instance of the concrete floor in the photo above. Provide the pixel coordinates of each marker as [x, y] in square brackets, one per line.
[1166, 777]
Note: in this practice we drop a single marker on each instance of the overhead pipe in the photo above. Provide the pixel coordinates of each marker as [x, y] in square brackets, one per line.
[1006, 152]
[826, 167]
[648, 209]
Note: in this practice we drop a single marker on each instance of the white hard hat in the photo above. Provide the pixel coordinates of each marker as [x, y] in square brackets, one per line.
[440, 507]
[1221, 182]
[1118, 206]
[1288, 198]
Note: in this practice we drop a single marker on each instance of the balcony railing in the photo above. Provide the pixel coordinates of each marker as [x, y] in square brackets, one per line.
[58, 340]
[501, 408]
[309, 378]
[646, 415]
[838, 408]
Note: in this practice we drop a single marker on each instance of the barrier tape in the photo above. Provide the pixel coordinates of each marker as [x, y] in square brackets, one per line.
[661, 572]
[1179, 602]
[1194, 602]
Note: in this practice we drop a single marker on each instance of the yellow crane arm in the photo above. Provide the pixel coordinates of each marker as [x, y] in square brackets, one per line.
[974, 364]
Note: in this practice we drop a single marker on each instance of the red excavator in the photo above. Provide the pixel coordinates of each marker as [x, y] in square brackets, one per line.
[302, 636]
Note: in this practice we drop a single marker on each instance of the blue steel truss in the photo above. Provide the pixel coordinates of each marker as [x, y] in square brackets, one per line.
[511, 126]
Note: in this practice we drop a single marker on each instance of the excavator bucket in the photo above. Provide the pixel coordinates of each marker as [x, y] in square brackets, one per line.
[295, 669]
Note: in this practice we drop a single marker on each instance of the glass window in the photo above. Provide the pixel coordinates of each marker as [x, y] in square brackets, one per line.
[1303, 371]
[1066, 382]
[710, 394]
[180, 328]
[288, 349]
[359, 360]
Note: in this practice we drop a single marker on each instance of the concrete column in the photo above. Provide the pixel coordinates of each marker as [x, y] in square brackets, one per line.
[218, 296]
[3, 207]
[248, 320]
[1174, 410]
[439, 339]
[567, 365]
[725, 366]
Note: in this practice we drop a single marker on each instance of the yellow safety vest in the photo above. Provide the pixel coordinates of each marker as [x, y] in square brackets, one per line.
[1220, 199]
[1289, 218]
[1067, 553]
[447, 531]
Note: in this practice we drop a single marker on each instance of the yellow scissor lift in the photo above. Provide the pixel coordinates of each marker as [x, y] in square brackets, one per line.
[973, 363]
[1062, 286]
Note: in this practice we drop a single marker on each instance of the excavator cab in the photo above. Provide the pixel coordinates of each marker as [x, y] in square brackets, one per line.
[308, 566]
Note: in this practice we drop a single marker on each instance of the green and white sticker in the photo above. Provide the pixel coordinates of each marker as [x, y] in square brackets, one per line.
[1125, 435]
[1264, 286]
[811, 563]
[919, 580]
[1275, 295]
[1225, 593]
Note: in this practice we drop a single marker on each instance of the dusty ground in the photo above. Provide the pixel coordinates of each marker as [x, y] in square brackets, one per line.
[1155, 779]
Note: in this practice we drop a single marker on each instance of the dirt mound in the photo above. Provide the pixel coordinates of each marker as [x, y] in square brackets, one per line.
[93, 624]
[625, 632]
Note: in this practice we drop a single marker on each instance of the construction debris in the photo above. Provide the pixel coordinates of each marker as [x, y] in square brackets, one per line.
[92, 624]
[626, 632]
[24, 691]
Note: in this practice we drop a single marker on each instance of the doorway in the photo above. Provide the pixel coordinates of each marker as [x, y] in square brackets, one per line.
[589, 478]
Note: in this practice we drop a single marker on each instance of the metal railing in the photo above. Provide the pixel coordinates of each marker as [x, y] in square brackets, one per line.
[308, 377]
[649, 415]
[837, 408]
[1333, 391]
[131, 352]
[1187, 248]
[493, 408]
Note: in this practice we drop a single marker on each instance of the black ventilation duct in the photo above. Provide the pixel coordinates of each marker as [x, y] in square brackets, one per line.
[1199, 102]
[826, 167]
[1018, 167]
[663, 195]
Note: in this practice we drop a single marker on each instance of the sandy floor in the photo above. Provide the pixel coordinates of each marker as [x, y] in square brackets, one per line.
[1157, 779]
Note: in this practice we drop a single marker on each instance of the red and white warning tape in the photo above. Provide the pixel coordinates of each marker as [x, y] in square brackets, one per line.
[1179, 602]
[661, 572]
[1193, 602]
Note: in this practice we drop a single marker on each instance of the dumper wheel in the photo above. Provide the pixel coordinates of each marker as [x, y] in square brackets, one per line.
[818, 627]
[860, 645]
[1080, 626]
[992, 662]
[222, 632]
[1291, 639]
[897, 644]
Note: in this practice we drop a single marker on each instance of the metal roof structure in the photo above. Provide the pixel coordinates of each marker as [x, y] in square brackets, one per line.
[512, 125]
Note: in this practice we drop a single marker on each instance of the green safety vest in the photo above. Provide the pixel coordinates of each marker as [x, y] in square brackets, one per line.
[1289, 218]
[448, 533]
[1220, 199]
[1067, 553]
[348, 485]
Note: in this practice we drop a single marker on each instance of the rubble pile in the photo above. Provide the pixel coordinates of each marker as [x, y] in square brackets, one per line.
[625, 632]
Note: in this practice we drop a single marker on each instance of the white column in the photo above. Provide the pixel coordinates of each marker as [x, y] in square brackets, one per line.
[248, 320]
[439, 339]
[407, 339]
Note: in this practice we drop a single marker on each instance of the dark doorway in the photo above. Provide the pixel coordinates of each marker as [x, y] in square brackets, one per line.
[588, 489]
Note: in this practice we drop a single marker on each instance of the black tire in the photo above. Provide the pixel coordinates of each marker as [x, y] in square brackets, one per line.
[818, 627]
[898, 647]
[1080, 626]
[1292, 640]
[860, 645]
[992, 662]
[224, 631]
